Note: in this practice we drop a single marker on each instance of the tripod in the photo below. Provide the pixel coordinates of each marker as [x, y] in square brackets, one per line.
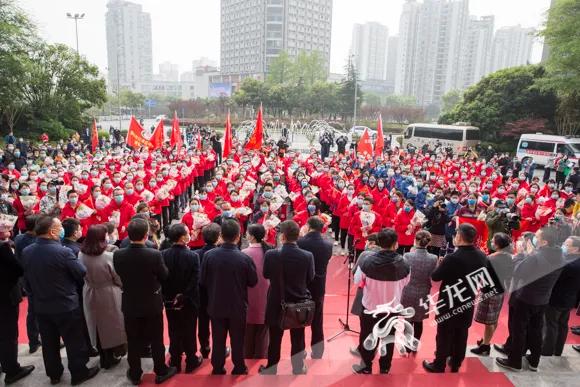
[345, 325]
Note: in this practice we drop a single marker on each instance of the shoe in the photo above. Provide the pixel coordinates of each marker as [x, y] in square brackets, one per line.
[354, 352]
[432, 368]
[384, 371]
[303, 371]
[147, 354]
[34, 348]
[134, 382]
[111, 364]
[336, 243]
[575, 331]
[192, 366]
[532, 367]
[205, 352]
[264, 370]
[171, 371]
[93, 352]
[504, 363]
[54, 381]
[175, 363]
[218, 372]
[361, 370]
[343, 253]
[228, 352]
[92, 372]
[24, 372]
[482, 350]
[576, 348]
[240, 372]
[500, 348]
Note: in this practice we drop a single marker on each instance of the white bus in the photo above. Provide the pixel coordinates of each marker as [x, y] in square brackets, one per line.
[541, 148]
[459, 138]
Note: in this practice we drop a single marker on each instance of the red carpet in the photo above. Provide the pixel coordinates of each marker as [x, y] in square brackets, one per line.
[334, 369]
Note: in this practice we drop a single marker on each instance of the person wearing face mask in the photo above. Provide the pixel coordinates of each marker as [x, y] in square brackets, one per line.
[537, 269]
[49, 203]
[529, 221]
[73, 231]
[188, 219]
[471, 209]
[181, 298]
[389, 208]
[58, 303]
[70, 208]
[261, 217]
[123, 208]
[344, 204]
[500, 219]
[405, 227]
[563, 298]
[548, 188]
[364, 223]
[312, 209]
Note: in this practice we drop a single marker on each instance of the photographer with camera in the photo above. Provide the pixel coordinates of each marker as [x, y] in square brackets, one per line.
[501, 219]
[437, 219]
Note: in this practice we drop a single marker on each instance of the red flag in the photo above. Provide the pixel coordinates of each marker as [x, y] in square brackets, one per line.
[380, 143]
[199, 143]
[228, 137]
[176, 132]
[135, 137]
[158, 136]
[364, 144]
[255, 142]
[94, 136]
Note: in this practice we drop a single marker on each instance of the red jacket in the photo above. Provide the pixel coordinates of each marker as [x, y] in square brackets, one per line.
[126, 211]
[402, 222]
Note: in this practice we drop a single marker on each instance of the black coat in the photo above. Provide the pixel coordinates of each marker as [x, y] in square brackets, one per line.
[227, 273]
[566, 289]
[298, 274]
[322, 251]
[74, 246]
[455, 270]
[183, 266]
[202, 290]
[54, 276]
[10, 272]
[141, 270]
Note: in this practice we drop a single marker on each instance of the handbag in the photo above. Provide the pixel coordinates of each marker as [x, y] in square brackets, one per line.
[297, 314]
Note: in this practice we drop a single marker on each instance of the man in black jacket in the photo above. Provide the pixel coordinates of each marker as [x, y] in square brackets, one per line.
[227, 273]
[10, 297]
[384, 274]
[210, 234]
[563, 299]
[536, 271]
[295, 267]
[21, 242]
[54, 275]
[322, 251]
[181, 295]
[142, 270]
[460, 273]
[72, 233]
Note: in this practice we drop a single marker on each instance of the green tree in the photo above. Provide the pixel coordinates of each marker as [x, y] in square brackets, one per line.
[251, 92]
[400, 101]
[17, 36]
[451, 99]
[309, 68]
[281, 70]
[502, 97]
[60, 86]
[347, 93]
[132, 100]
[561, 34]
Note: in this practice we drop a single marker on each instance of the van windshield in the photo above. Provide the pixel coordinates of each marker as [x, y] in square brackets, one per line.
[576, 147]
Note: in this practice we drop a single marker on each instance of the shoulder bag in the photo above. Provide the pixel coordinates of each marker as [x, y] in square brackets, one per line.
[294, 315]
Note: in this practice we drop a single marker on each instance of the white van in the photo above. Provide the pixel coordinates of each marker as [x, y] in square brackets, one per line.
[542, 147]
[458, 137]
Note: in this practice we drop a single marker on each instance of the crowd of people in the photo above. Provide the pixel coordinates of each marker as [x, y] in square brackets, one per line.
[103, 243]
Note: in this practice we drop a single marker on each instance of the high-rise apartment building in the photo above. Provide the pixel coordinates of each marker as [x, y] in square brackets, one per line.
[392, 56]
[129, 47]
[254, 32]
[369, 47]
[477, 52]
[512, 47]
[407, 48]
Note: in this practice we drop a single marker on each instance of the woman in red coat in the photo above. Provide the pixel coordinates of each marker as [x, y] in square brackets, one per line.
[365, 223]
[196, 241]
[404, 228]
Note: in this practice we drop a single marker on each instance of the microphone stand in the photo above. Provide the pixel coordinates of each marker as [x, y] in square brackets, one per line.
[345, 326]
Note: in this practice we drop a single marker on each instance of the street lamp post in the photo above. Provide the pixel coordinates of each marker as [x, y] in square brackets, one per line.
[355, 80]
[76, 18]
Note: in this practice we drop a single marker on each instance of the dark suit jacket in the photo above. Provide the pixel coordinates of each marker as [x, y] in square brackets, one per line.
[298, 274]
[54, 276]
[202, 290]
[455, 269]
[183, 266]
[227, 273]
[141, 270]
[10, 272]
[322, 251]
[74, 246]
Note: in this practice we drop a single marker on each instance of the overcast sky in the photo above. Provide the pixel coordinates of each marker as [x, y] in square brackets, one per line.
[184, 30]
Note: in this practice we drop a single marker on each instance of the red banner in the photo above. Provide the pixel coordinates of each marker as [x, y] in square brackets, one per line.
[364, 144]
[380, 143]
[135, 136]
[94, 136]
[255, 142]
[176, 139]
[228, 138]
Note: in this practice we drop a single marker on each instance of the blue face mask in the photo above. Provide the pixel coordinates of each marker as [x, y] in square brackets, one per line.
[485, 197]
[565, 250]
[535, 241]
[472, 202]
[61, 234]
[311, 208]
[228, 214]
[408, 209]
[510, 202]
